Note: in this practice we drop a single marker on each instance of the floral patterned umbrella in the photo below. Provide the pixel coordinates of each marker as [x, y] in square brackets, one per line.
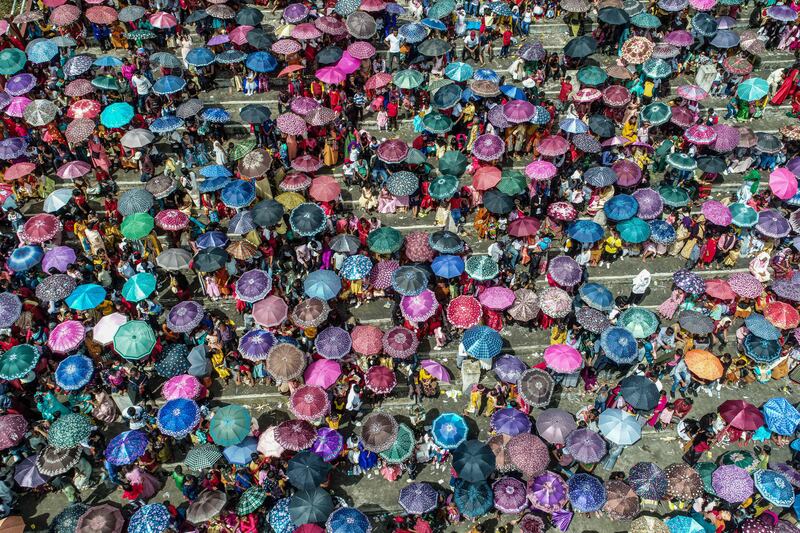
[464, 311]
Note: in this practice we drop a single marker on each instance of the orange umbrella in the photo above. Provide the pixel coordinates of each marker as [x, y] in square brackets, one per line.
[705, 365]
[782, 315]
[12, 524]
[290, 69]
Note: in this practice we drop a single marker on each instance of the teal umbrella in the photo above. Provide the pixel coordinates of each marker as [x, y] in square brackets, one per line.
[744, 216]
[18, 361]
[634, 230]
[752, 89]
[134, 340]
[403, 446]
[407, 79]
[656, 68]
[453, 163]
[117, 115]
[310, 506]
[645, 20]
[12, 60]
[69, 430]
[86, 296]
[107, 83]
[481, 267]
[458, 71]
[674, 196]
[681, 161]
[639, 321]
[592, 75]
[512, 182]
[437, 123]
[441, 8]
[384, 240]
[139, 287]
[657, 113]
[230, 425]
[443, 187]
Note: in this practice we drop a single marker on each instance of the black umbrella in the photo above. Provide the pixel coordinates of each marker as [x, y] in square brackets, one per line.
[602, 126]
[474, 461]
[446, 97]
[614, 16]
[210, 259]
[434, 47]
[409, 280]
[329, 55]
[196, 16]
[307, 470]
[446, 242]
[258, 38]
[641, 393]
[704, 24]
[497, 202]
[768, 143]
[711, 163]
[249, 16]
[254, 114]
[267, 213]
[695, 323]
[310, 506]
[582, 46]
[307, 219]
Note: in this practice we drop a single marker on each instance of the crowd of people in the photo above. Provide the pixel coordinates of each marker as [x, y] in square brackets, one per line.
[160, 250]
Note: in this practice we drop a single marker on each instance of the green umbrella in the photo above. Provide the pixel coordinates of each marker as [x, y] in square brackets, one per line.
[441, 9]
[230, 425]
[12, 60]
[634, 230]
[107, 83]
[134, 340]
[639, 321]
[407, 79]
[137, 226]
[310, 506]
[434, 85]
[674, 196]
[657, 113]
[437, 123]
[512, 182]
[415, 157]
[681, 161]
[18, 361]
[69, 431]
[454, 163]
[243, 148]
[740, 458]
[384, 240]
[202, 457]
[444, 187]
[645, 20]
[656, 68]
[139, 287]
[481, 267]
[402, 448]
[752, 89]
[592, 75]
[744, 216]
[706, 470]
[251, 500]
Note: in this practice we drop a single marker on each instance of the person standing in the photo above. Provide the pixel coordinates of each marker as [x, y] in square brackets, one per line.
[640, 284]
[394, 41]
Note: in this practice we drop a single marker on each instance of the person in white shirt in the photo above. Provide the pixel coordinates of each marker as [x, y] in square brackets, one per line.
[394, 41]
[142, 86]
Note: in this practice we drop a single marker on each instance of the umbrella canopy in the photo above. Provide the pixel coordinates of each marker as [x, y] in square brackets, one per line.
[474, 461]
[378, 431]
[741, 415]
[449, 430]
[639, 392]
[418, 498]
[307, 470]
[774, 487]
[619, 427]
[648, 480]
[586, 493]
[310, 506]
[732, 483]
[555, 425]
[529, 454]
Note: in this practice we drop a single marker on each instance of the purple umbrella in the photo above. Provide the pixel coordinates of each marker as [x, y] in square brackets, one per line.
[565, 271]
[510, 421]
[794, 165]
[786, 290]
[333, 343]
[498, 298]
[772, 224]
[418, 498]
[253, 285]
[294, 13]
[648, 480]
[508, 368]
[727, 138]
[419, 308]
[20, 84]
[628, 172]
[27, 475]
[585, 446]
[680, 38]
[488, 147]
[555, 425]
[547, 492]
[498, 118]
[650, 203]
[518, 111]
[688, 281]
[12, 148]
[328, 444]
[717, 213]
[732, 483]
[59, 258]
[782, 13]
[185, 316]
[256, 344]
[510, 495]
[10, 309]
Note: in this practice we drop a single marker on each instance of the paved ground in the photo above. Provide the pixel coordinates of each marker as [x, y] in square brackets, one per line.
[372, 493]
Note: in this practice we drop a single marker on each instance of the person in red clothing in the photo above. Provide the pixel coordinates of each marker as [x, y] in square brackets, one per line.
[506, 42]
[566, 89]
[391, 112]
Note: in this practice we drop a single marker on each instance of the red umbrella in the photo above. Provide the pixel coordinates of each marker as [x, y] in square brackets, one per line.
[782, 315]
[376, 81]
[325, 189]
[486, 178]
[84, 109]
[101, 14]
[79, 130]
[78, 88]
[418, 248]
[464, 311]
[361, 50]
[289, 69]
[741, 415]
[286, 46]
[380, 380]
[719, 288]
[616, 96]
[163, 20]
[524, 227]
[563, 211]
[400, 342]
[309, 402]
[40, 228]
[295, 435]
[367, 340]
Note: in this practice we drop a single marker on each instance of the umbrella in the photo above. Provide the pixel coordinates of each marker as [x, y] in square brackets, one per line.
[418, 498]
[619, 345]
[536, 387]
[732, 483]
[547, 492]
[774, 487]
[473, 499]
[53, 461]
[562, 358]
[348, 519]
[230, 425]
[384, 240]
[202, 457]
[14, 427]
[177, 418]
[639, 392]
[648, 480]
[378, 431]
[565, 271]
[74, 372]
[333, 343]
[619, 427]
[639, 321]
[510, 495]
[10, 309]
[309, 402]
[580, 47]
[482, 342]
[310, 312]
[554, 425]
[449, 430]
[68, 431]
[585, 231]
[400, 342]
[596, 296]
[327, 444]
[474, 461]
[295, 435]
[510, 421]
[761, 350]
[323, 373]
[781, 417]
[741, 415]
[17, 361]
[759, 326]
[64, 522]
[586, 493]
[703, 364]
[307, 470]
[403, 446]
[621, 501]
[27, 475]
[498, 298]
[464, 311]
[285, 362]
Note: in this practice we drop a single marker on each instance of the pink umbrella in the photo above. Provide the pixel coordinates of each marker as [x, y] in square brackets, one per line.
[306, 32]
[418, 248]
[498, 298]
[238, 35]
[488, 147]
[464, 311]
[171, 219]
[163, 20]
[419, 308]
[436, 370]
[518, 111]
[701, 135]
[380, 380]
[380, 276]
[717, 213]
[73, 169]
[727, 138]
[692, 92]
[292, 124]
[361, 50]
[553, 145]
[348, 64]
[332, 26]
[286, 47]
[587, 95]
[268, 444]
[40, 228]
[330, 75]
[270, 312]
[541, 170]
[703, 5]
[367, 340]
[20, 170]
[393, 151]
[105, 329]
[783, 183]
[66, 336]
[182, 386]
[400, 342]
[376, 81]
[562, 358]
[310, 402]
[322, 373]
[17, 106]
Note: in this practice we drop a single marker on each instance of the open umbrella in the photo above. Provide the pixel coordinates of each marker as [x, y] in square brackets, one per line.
[449, 430]
[586, 493]
[378, 431]
[474, 461]
[528, 453]
[639, 392]
[619, 427]
[418, 498]
[648, 480]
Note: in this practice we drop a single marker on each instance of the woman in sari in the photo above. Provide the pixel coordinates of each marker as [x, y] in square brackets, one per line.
[481, 223]
[787, 88]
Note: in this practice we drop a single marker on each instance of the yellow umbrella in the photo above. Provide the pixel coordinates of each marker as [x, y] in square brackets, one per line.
[290, 200]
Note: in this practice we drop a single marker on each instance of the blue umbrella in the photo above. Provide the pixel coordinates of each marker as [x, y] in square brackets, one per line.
[211, 239]
[108, 61]
[486, 74]
[200, 56]
[74, 372]
[586, 493]
[214, 184]
[355, 267]
[409, 280]
[169, 85]
[215, 171]
[684, 524]
[348, 520]
[229, 57]
[177, 418]
[24, 258]
[482, 342]
[279, 518]
[600, 176]
[662, 232]
[619, 427]
[449, 430]
[473, 499]
[621, 207]
[619, 345]
[261, 62]
[585, 231]
[515, 93]
[596, 296]
[238, 193]
[761, 327]
[541, 117]
[127, 447]
[774, 487]
[215, 114]
[117, 115]
[434, 24]
[781, 416]
[41, 50]
[241, 454]
[413, 32]
[323, 284]
[458, 71]
[165, 124]
[150, 518]
[86, 296]
[448, 266]
[573, 125]
[761, 350]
